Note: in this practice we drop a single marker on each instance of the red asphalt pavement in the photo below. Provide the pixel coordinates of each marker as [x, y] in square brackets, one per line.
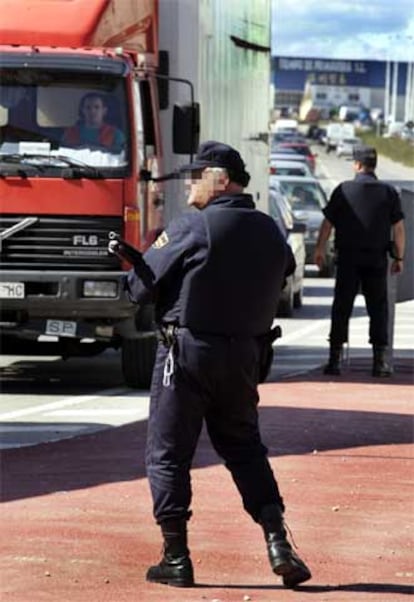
[77, 524]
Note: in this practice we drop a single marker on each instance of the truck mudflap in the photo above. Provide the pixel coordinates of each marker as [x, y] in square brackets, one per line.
[137, 358]
[138, 349]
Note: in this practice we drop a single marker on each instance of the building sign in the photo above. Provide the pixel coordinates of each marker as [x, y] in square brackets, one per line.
[290, 73]
[321, 65]
[321, 71]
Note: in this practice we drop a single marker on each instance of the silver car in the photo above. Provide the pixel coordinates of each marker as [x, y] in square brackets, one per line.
[282, 167]
[307, 199]
[345, 147]
[293, 230]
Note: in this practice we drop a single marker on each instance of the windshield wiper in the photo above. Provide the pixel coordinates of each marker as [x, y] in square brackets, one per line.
[41, 162]
[15, 160]
[84, 169]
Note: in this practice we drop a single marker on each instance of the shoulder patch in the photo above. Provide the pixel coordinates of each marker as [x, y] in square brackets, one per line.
[161, 241]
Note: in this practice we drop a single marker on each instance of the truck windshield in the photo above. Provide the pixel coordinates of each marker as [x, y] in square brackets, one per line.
[79, 116]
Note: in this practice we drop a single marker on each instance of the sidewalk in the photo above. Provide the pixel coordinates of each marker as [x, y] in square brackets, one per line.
[77, 522]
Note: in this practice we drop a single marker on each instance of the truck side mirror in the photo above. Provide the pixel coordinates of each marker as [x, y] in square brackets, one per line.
[163, 83]
[186, 128]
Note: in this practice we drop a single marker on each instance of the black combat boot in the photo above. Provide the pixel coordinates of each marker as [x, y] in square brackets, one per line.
[283, 560]
[175, 567]
[333, 367]
[380, 367]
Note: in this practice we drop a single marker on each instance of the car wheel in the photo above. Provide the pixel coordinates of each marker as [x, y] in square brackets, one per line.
[298, 299]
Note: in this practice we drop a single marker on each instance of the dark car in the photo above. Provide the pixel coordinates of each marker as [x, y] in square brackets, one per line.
[307, 199]
[294, 232]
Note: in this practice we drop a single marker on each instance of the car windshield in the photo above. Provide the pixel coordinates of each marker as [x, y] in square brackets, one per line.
[49, 114]
[290, 170]
[305, 195]
[351, 141]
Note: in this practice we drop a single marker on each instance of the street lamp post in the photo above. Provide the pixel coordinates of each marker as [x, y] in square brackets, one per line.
[409, 94]
[394, 97]
[387, 91]
[391, 80]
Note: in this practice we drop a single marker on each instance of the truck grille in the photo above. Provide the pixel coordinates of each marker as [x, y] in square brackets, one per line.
[60, 243]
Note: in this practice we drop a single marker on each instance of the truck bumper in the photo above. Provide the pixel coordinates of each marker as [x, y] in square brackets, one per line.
[56, 304]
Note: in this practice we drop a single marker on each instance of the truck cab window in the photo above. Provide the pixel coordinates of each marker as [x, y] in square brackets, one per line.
[80, 116]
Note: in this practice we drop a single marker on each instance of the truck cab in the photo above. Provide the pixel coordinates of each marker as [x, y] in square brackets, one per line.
[80, 152]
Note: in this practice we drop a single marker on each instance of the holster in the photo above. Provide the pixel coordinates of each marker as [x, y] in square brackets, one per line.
[167, 334]
[266, 351]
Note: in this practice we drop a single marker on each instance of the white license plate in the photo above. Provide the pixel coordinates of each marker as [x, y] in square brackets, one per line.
[61, 328]
[11, 290]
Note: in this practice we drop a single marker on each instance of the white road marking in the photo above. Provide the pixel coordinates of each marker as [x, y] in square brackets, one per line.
[31, 428]
[101, 412]
[299, 334]
[69, 401]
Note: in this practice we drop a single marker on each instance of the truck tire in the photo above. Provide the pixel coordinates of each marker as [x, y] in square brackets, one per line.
[137, 358]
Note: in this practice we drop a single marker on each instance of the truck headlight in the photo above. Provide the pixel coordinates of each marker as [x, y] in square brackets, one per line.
[100, 288]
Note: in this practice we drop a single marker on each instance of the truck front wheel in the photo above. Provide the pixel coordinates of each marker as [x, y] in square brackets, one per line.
[137, 357]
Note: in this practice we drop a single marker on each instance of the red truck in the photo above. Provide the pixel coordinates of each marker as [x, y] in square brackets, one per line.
[80, 141]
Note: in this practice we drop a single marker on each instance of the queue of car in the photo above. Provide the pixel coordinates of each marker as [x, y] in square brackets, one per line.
[296, 200]
[293, 231]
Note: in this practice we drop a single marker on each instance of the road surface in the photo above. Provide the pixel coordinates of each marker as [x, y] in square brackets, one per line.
[48, 399]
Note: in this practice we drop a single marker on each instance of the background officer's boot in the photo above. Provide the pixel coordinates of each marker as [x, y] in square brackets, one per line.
[333, 366]
[283, 560]
[380, 367]
[175, 567]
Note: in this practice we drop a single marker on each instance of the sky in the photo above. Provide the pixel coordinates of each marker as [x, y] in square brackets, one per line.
[345, 29]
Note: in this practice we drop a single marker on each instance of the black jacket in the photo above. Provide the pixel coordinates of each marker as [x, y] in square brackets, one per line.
[362, 211]
[218, 271]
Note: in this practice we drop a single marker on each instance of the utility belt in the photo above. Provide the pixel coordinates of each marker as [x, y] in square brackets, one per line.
[167, 335]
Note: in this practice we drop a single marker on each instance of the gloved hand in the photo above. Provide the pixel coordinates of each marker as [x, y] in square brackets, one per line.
[118, 246]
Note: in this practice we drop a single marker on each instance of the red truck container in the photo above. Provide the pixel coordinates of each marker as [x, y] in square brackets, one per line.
[66, 179]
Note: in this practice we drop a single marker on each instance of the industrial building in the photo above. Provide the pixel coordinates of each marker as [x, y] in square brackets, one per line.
[304, 84]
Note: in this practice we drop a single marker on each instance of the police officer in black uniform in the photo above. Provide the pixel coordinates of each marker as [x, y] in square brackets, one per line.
[366, 214]
[215, 276]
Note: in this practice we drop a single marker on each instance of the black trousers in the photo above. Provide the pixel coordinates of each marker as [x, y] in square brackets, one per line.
[215, 380]
[368, 275]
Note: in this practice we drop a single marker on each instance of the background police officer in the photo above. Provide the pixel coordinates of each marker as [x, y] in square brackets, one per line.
[215, 276]
[365, 212]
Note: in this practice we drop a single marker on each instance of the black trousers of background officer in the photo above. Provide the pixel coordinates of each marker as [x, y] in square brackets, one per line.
[367, 274]
[215, 378]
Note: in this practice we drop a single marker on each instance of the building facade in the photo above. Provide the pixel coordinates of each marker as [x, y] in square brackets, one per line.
[327, 84]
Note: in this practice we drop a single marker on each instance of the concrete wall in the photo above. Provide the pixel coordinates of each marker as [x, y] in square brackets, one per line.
[401, 287]
[232, 83]
[405, 284]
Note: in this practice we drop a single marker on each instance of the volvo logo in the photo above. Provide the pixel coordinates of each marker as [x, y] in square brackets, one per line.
[85, 240]
[8, 232]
